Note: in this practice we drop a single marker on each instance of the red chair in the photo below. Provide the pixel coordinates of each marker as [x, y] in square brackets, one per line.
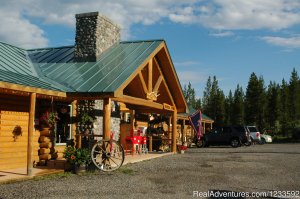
[135, 140]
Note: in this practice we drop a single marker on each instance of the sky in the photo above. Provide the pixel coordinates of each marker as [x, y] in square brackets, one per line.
[228, 39]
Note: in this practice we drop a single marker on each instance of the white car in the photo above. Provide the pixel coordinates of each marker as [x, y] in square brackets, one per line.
[254, 133]
[265, 138]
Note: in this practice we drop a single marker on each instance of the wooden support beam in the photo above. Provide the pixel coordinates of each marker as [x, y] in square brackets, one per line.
[74, 114]
[138, 101]
[143, 82]
[150, 75]
[164, 82]
[174, 131]
[157, 84]
[21, 88]
[106, 118]
[30, 134]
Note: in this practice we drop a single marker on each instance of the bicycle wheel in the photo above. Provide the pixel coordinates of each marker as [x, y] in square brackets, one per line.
[107, 155]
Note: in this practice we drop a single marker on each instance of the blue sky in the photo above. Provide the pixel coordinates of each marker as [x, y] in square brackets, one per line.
[227, 38]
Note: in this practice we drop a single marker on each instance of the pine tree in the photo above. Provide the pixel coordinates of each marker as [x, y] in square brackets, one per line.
[228, 108]
[273, 105]
[294, 100]
[190, 97]
[213, 101]
[238, 106]
[255, 102]
[284, 116]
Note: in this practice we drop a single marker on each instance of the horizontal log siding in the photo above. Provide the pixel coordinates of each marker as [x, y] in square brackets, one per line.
[14, 117]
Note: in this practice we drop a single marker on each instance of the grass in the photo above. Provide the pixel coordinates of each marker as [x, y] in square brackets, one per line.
[126, 170]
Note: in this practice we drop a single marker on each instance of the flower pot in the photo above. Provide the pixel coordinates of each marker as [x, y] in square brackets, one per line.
[182, 151]
[79, 169]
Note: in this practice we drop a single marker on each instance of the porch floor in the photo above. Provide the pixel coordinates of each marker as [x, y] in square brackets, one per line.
[20, 173]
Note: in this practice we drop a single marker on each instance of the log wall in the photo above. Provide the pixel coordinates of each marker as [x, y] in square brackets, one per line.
[14, 115]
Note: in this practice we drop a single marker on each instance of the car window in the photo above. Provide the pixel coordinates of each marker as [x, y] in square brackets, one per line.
[239, 129]
[226, 130]
[252, 129]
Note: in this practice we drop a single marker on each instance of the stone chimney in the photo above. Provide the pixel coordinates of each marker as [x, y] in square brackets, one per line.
[94, 34]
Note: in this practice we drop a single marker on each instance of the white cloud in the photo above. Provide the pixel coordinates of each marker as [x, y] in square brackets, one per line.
[186, 63]
[291, 42]
[20, 19]
[17, 30]
[251, 14]
[222, 34]
[192, 76]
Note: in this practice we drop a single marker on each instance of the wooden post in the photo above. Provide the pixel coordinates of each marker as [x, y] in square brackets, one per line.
[30, 134]
[174, 131]
[169, 128]
[184, 134]
[74, 114]
[78, 141]
[106, 118]
[150, 143]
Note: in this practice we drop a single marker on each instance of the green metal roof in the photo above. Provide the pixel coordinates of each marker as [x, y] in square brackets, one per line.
[107, 74]
[192, 111]
[14, 59]
[54, 69]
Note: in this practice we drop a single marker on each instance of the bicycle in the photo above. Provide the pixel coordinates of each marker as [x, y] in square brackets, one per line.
[107, 155]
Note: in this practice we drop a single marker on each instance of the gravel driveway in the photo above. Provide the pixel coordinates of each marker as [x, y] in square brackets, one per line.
[259, 168]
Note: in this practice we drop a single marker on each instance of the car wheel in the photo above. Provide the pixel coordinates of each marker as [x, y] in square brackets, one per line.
[235, 142]
[200, 143]
[248, 143]
[262, 141]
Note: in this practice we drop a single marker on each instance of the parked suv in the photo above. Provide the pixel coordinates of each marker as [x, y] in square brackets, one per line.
[254, 133]
[227, 135]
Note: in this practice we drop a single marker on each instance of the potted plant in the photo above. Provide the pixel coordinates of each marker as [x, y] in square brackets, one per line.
[78, 158]
[85, 120]
[48, 119]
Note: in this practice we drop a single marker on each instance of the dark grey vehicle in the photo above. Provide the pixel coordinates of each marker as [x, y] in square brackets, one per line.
[228, 135]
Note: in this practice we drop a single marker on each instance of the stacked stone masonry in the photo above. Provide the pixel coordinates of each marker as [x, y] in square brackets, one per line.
[94, 34]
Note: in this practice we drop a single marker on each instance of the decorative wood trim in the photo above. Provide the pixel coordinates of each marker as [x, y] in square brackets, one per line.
[168, 107]
[28, 89]
[119, 91]
[164, 82]
[138, 101]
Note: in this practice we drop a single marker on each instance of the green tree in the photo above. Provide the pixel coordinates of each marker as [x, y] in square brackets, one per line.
[255, 102]
[228, 108]
[190, 97]
[284, 116]
[238, 106]
[294, 100]
[273, 107]
[213, 101]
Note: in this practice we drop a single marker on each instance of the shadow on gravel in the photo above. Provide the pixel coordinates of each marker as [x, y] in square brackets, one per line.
[243, 152]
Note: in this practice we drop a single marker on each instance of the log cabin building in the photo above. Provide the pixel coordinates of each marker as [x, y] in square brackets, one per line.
[113, 79]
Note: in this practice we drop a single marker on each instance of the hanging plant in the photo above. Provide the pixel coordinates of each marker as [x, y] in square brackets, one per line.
[85, 118]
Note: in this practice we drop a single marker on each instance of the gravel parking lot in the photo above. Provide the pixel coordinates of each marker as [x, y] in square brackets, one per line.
[220, 170]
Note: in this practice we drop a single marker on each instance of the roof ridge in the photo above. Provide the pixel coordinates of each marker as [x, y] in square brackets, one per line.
[48, 48]
[137, 41]
[12, 45]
